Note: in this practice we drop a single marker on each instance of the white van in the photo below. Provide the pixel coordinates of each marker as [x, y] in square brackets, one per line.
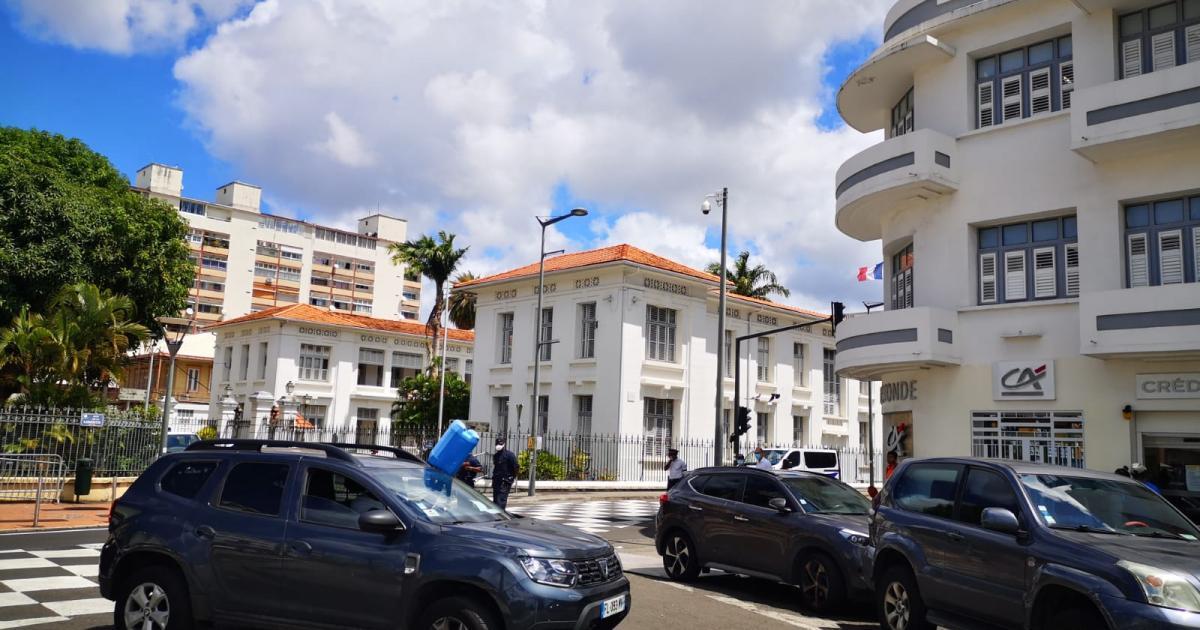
[818, 460]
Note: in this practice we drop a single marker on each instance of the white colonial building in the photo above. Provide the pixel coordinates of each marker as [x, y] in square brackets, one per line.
[636, 356]
[1037, 193]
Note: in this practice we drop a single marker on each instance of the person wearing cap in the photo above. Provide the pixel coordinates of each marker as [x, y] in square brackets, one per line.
[763, 463]
[675, 467]
[504, 472]
[1139, 472]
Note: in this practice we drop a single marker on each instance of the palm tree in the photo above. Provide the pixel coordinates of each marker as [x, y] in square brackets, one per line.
[436, 261]
[94, 329]
[756, 282]
[462, 304]
[28, 349]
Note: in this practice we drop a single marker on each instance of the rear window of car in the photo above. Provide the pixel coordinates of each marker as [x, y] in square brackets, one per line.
[727, 487]
[255, 488]
[820, 459]
[928, 489]
[185, 479]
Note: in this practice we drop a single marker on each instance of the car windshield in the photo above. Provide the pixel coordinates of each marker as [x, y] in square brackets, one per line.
[822, 495]
[1104, 505]
[773, 455]
[181, 440]
[439, 497]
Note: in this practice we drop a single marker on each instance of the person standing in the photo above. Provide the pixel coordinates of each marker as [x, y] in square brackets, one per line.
[675, 468]
[763, 462]
[504, 472]
[469, 469]
[891, 465]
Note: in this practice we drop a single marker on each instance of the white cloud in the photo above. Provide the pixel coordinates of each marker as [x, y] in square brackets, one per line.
[344, 144]
[121, 26]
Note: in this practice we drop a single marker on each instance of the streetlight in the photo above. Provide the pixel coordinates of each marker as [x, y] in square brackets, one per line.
[871, 419]
[174, 339]
[442, 370]
[537, 335]
[721, 198]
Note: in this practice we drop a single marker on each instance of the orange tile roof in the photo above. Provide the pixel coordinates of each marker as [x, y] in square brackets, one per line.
[576, 260]
[787, 307]
[315, 315]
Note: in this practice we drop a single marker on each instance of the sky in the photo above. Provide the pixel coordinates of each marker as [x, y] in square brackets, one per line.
[475, 116]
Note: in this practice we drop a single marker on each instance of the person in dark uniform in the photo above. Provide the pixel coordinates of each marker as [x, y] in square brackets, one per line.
[504, 472]
[469, 469]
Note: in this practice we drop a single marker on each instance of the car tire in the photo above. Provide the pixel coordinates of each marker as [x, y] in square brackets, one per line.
[679, 557]
[458, 613]
[822, 587]
[156, 593]
[1076, 617]
[898, 602]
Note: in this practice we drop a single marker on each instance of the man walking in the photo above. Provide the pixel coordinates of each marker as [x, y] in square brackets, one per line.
[504, 472]
[675, 468]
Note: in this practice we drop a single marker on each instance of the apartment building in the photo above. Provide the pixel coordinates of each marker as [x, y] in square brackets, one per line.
[1037, 195]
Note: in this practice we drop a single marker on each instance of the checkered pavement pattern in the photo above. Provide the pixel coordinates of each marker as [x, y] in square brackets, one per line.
[48, 586]
[596, 517]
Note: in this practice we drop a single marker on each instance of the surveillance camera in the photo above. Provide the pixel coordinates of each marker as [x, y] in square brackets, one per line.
[706, 207]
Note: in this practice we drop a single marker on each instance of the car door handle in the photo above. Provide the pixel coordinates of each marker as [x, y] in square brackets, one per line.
[955, 536]
[695, 508]
[300, 547]
[204, 531]
[739, 517]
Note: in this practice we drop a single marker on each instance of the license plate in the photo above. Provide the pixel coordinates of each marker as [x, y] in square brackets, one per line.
[614, 606]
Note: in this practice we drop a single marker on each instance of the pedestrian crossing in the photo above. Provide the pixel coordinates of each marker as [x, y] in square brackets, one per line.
[48, 586]
[595, 517]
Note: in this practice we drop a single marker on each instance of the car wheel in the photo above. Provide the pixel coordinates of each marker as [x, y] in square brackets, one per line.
[679, 558]
[153, 598]
[1076, 617]
[821, 584]
[458, 613]
[899, 602]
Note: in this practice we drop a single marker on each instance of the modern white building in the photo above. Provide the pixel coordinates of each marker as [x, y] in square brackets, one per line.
[636, 356]
[343, 368]
[1037, 194]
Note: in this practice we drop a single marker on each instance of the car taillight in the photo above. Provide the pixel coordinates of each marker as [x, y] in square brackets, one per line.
[663, 498]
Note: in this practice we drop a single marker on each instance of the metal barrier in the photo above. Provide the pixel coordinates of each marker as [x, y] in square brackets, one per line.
[32, 477]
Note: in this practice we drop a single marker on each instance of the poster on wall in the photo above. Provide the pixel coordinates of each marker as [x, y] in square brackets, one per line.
[898, 434]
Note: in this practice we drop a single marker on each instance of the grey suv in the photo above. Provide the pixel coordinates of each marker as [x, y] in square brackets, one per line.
[969, 543]
[300, 535]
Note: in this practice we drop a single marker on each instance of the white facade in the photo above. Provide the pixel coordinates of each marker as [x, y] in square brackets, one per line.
[1037, 195]
[652, 379]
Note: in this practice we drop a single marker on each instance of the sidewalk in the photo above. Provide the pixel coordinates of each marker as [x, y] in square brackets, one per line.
[19, 516]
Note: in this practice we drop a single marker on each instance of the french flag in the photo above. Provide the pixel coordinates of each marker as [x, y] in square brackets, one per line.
[865, 273]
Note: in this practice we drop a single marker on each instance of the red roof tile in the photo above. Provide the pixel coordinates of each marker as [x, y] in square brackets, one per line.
[314, 315]
[787, 307]
[615, 253]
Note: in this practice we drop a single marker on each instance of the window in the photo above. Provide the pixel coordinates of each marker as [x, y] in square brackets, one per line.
[543, 414]
[367, 429]
[659, 418]
[1159, 37]
[928, 489]
[798, 364]
[728, 354]
[1024, 82]
[764, 360]
[335, 500]
[544, 352]
[212, 261]
[193, 379]
[405, 365]
[727, 487]
[985, 489]
[660, 333]
[762, 428]
[362, 306]
[506, 337]
[1032, 260]
[227, 364]
[833, 387]
[262, 360]
[469, 367]
[315, 414]
[191, 207]
[279, 225]
[209, 285]
[583, 415]
[500, 413]
[185, 479]
[410, 295]
[797, 430]
[903, 116]
[587, 330]
[314, 362]
[1046, 437]
[1161, 239]
[244, 369]
[370, 367]
[902, 278]
[255, 488]
[207, 307]
[760, 490]
[452, 364]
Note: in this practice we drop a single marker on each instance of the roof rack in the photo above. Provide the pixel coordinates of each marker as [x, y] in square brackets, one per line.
[334, 450]
[394, 450]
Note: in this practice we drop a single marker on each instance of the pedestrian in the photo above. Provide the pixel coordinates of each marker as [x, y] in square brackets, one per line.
[504, 472]
[675, 468]
[763, 463]
[891, 465]
[739, 460]
[1139, 472]
[469, 469]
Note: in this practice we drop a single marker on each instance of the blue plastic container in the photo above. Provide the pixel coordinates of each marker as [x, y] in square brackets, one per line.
[451, 451]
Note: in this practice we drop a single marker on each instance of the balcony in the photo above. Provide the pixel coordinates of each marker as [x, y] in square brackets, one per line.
[1156, 111]
[1121, 324]
[869, 346]
[917, 165]
[866, 98]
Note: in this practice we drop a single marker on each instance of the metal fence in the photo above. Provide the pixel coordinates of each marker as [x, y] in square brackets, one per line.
[123, 446]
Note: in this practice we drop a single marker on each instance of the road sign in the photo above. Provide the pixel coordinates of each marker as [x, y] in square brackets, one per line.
[91, 420]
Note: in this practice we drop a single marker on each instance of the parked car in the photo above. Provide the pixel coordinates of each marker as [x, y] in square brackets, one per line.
[818, 460]
[797, 527]
[178, 441]
[968, 543]
[291, 534]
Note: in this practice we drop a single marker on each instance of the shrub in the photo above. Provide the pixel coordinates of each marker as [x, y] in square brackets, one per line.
[550, 467]
[207, 433]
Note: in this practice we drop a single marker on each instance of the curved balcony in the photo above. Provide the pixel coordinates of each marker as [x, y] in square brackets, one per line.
[869, 346]
[1155, 111]
[917, 165]
[910, 16]
[866, 98]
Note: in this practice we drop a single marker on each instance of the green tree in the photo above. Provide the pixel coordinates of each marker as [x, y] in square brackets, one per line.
[462, 304]
[434, 260]
[756, 282]
[67, 215]
[416, 403]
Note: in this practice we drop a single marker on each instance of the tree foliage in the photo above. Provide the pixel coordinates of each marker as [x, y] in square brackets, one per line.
[756, 282]
[416, 403]
[67, 215]
[436, 260]
[462, 304]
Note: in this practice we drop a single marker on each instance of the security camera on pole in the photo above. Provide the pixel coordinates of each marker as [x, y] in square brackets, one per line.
[721, 198]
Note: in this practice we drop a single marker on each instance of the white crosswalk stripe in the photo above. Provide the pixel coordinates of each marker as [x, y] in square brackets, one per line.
[51, 586]
[596, 517]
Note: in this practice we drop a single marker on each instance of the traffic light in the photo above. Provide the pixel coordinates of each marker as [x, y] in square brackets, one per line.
[741, 423]
[838, 311]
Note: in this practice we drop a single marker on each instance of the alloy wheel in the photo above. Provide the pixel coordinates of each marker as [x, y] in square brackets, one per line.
[449, 623]
[147, 608]
[678, 556]
[815, 585]
[896, 606]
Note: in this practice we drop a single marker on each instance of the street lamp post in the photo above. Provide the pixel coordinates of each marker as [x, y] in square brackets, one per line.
[442, 368]
[174, 343]
[537, 337]
[871, 419]
[721, 198]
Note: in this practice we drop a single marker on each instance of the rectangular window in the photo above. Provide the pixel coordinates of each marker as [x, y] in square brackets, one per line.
[762, 428]
[902, 278]
[227, 365]
[660, 333]
[1032, 260]
[193, 379]
[587, 330]
[763, 359]
[468, 368]
[797, 430]
[262, 360]
[405, 365]
[452, 365]
[833, 386]
[1024, 82]
[903, 115]
[506, 337]
[659, 421]
[1046, 437]
[583, 415]
[330, 499]
[728, 354]
[544, 352]
[798, 364]
[1162, 242]
[212, 261]
[500, 413]
[314, 362]
[1159, 37]
[255, 488]
[244, 369]
[314, 414]
[367, 428]
[543, 414]
[191, 207]
[370, 367]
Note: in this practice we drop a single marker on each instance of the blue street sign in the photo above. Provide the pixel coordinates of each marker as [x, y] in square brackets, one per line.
[91, 420]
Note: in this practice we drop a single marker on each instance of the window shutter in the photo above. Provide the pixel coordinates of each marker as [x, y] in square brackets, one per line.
[1191, 37]
[987, 278]
[987, 104]
[1131, 58]
[1196, 253]
[1170, 257]
[1162, 51]
[1139, 263]
[1014, 276]
[1066, 80]
[1045, 276]
[1039, 91]
[1011, 98]
[908, 287]
[1071, 253]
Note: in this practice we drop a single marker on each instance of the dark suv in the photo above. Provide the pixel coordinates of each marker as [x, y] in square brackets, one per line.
[288, 534]
[969, 543]
[797, 527]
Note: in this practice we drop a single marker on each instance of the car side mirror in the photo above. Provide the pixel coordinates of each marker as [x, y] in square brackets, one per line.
[1000, 520]
[380, 522]
[779, 504]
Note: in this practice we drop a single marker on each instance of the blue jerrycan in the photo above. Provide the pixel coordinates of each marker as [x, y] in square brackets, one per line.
[457, 442]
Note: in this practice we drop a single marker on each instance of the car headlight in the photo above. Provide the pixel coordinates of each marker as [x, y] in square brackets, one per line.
[1164, 588]
[550, 571]
[857, 538]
